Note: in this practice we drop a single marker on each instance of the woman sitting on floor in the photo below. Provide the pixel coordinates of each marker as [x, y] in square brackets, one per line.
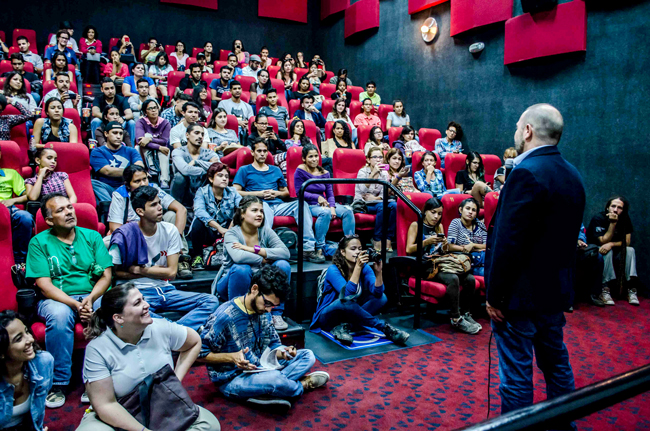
[471, 180]
[469, 235]
[47, 180]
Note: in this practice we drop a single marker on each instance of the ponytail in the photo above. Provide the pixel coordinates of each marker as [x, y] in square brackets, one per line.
[96, 326]
[113, 302]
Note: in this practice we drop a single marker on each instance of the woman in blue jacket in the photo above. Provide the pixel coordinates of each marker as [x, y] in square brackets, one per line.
[353, 293]
[26, 376]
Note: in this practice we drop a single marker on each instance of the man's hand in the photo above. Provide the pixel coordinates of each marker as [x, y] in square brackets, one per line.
[240, 361]
[605, 248]
[86, 308]
[582, 244]
[135, 269]
[288, 353]
[164, 150]
[120, 120]
[8, 203]
[613, 218]
[495, 313]
[270, 194]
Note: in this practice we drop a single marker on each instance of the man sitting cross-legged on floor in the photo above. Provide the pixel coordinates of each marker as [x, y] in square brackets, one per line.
[147, 253]
[240, 331]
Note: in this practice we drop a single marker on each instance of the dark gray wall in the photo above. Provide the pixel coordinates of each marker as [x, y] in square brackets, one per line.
[603, 94]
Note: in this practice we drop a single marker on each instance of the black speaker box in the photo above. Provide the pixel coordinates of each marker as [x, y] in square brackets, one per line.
[534, 6]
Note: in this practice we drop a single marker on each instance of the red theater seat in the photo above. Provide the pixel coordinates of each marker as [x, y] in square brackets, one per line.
[139, 53]
[384, 110]
[273, 72]
[360, 16]
[169, 49]
[328, 129]
[327, 107]
[7, 288]
[469, 14]
[223, 55]
[245, 157]
[11, 156]
[453, 164]
[490, 207]
[330, 7]
[355, 109]
[112, 43]
[420, 5]
[416, 162]
[189, 61]
[272, 122]
[355, 92]
[28, 86]
[73, 159]
[245, 81]
[29, 34]
[363, 134]
[196, 51]
[20, 157]
[311, 130]
[174, 80]
[346, 164]
[428, 138]
[491, 163]
[326, 90]
[209, 77]
[294, 159]
[86, 218]
[219, 64]
[245, 96]
[231, 122]
[450, 210]
[49, 85]
[294, 105]
[393, 134]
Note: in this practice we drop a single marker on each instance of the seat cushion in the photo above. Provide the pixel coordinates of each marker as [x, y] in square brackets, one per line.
[80, 341]
[430, 288]
[364, 221]
[425, 298]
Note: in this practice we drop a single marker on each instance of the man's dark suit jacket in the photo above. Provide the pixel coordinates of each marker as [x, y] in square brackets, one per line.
[530, 259]
[317, 116]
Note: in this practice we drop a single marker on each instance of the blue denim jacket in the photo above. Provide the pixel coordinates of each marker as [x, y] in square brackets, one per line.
[40, 370]
[205, 205]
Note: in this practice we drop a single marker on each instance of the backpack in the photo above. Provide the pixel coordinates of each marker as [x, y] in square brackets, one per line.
[290, 239]
[214, 256]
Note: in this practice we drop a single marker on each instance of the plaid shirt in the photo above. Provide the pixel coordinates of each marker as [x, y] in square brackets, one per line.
[52, 183]
[170, 115]
[9, 121]
[435, 186]
[443, 147]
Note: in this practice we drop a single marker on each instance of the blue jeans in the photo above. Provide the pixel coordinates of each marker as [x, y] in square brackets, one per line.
[22, 227]
[277, 384]
[378, 209]
[103, 192]
[237, 281]
[516, 338]
[94, 125]
[357, 313]
[166, 298]
[291, 209]
[324, 217]
[59, 334]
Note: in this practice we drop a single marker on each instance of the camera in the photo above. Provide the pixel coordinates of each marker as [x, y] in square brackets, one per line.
[374, 255]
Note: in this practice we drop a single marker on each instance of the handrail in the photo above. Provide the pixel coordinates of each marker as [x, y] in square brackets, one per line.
[400, 195]
[571, 406]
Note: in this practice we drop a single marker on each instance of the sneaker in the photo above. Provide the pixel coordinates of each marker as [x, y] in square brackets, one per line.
[469, 318]
[55, 398]
[184, 270]
[605, 297]
[197, 264]
[164, 184]
[395, 335]
[315, 380]
[463, 325]
[632, 298]
[84, 398]
[342, 334]
[279, 323]
[314, 257]
[596, 301]
[268, 401]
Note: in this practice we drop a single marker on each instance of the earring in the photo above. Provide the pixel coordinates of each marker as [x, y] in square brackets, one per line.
[121, 326]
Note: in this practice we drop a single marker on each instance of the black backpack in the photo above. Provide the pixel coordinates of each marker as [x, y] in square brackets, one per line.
[290, 239]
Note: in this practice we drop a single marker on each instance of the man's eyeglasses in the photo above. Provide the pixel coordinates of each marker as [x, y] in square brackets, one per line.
[377, 157]
[267, 303]
[452, 131]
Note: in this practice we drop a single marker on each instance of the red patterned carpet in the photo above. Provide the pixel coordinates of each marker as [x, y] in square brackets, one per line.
[441, 386]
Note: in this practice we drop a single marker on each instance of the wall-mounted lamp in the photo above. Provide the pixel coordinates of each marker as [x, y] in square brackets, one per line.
[429, 29]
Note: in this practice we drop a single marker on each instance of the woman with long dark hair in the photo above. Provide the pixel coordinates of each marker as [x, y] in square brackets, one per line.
[116, 70]
[472, 179]
[262, 85]
[398, 172]
[243, 57]
[90, 38]
[159, 71]
[399, 117]
[207, 50]
[467, 234]
[201, 97]
[341, 138]
[59, 64]
[181, 55]
[15, 88]
[297, 135]
[54, 127]
[375, 140]
[287, 75]
[407, 143]
[219, 135]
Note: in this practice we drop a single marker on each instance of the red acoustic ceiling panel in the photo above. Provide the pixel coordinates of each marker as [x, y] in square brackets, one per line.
[330, 7]
[292, 10]
[420, 5]
[562, 30]
[469, 14]
[208, 4]
[360, 16]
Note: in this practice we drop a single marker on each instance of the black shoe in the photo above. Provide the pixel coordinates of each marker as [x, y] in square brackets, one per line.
[197, 264]
[395, 335]
[314, 256]
[342, 334]
[184, 271]
[596, 301]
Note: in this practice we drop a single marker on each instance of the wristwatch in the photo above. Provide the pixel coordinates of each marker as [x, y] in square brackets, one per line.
[256, 249]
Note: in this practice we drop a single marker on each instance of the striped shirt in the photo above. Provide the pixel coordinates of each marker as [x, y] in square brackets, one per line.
[460, 235]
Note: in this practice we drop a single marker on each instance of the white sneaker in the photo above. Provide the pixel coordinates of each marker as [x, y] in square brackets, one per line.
[55, 398]
[279, 323]
[632, 298]
[84, 398]
[606, 297]
[315, 380]
[164, 184]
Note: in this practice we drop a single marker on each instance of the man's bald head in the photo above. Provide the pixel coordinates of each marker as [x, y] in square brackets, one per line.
[541, 124]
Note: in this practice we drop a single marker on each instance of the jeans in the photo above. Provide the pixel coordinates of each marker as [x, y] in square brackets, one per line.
[460, 299]
[182, 189]
[103, 192]
[94, 125]
[324, 217]
[237, 281]
[378, 209]
[277, 384]
[59, 334]
[166, 298]
[516, 338]
[630, 265]
[22, 227]
[291, 209]
[201, 237]
[357, 313]
[156, 159]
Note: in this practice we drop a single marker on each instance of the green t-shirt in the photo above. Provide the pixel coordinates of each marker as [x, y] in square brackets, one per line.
[73, 268]
[376, 99]
[10, 182]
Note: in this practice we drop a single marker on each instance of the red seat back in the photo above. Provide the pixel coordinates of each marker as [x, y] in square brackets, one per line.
[428, 138]
[355, 109]
[139, 52]
[28, 87]
[5, 66]
[294, 105]
[384, 110]
[196, 51]
[260, 101]
[223, 55]
[326, 90]
[416, 162]
[363, 133]
[311, 130]
[19, 137]
[491, 163]
[300, 72]
[273, 72]
[294, 159]
[173, 63]
[393, 134]
[218, 64]
[406, 216]
[294, 86]
[490, 206]
[453, 164]
[11, 155]
[73, 159]
[7, 288]
[346, 164]
[174, 80]
[86, 218]
[328, 129]
[189, 61]
[245, 81]
[73, 114]
[50, 85]
[113, 43]
[327, 107]
[355, 91]
[169, 49]
[329, 75]
[245, 157]
[450, 210]
[272, 122]
[29, 34]
[209, 77]
[245, 96]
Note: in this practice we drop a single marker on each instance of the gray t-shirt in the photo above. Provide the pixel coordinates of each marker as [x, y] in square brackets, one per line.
[281, 115]
[398, 121]
[239, 110]
[217, 138]
[116, 211]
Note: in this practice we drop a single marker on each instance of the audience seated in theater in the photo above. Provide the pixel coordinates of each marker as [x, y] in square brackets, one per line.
[152, 135]
[300, 60]
[15, 88]
[248, 244]
[237, 107]
[280, 113]
[12, 193]
[208, 50]
[59, 65]
[24, 47]
[230, 348]
[126, 346]
[201, 97]
[471, 180]
[191, 163]
[178, 133]
[181, 55]
[340, 139]
[285, 56]
[218, 135]
[342, 93]
[303, 90]
[467, 234]
[54, 127]
[136, 101]
[214, 209]
[62, 92]
[406, 142]
[137, 73]
[126, 50]
[200, 60]
[62, 38]
[243, 57]
[262, 85]
[398, 117]
[193, 79]
[450, 144]
[221, 85]
[26, 377]
[234, 64]
[47, 180]
[267, 183]
[429, 179]
[115, 69]
[373, 194]
[265, 60]
[375, 140]
[399, 173]
[590, 265]
[339, 112]
[72, 270]
[151, 51]
[159, 72]
[352, 295]
[367, 118]
[111, 113]
[460, 287]
[278, 149]
[341, 74]
[320, 198]
[89, 42]
[297, 135]
[287, 75]
[9, 121]
[163, 244]
[314, 76]
[370, 93]
[309, 112]
[612, 229]
[174, 114]
[67, 27]
[500, 175]
[109, 97]
[253, 67]
[109, 162]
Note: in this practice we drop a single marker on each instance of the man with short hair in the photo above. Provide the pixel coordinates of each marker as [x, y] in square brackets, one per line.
[237, 107]
[174, 114]
[108, 97]
[136, 101]
[221, 85]
[177, 136]
[18, 65]
[371, 87]
[253, 67]
[230, 347]
[151, 51]
[268, 183]
[163, 246]
[109, 162]
[280, 113]
[201, 61]
[309, 111]
[234, 64]
[35, 59]
[129, 84]
[192, 80]
[68, 98]
[62, 39]
[72, 43]
[72, 269]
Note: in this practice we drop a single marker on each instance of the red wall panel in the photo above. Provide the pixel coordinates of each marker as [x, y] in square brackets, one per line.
[360, 16]
[469, 14]
[292, 10]
[208, 4]
[562, 30]
[330, 7]
[420, 5]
